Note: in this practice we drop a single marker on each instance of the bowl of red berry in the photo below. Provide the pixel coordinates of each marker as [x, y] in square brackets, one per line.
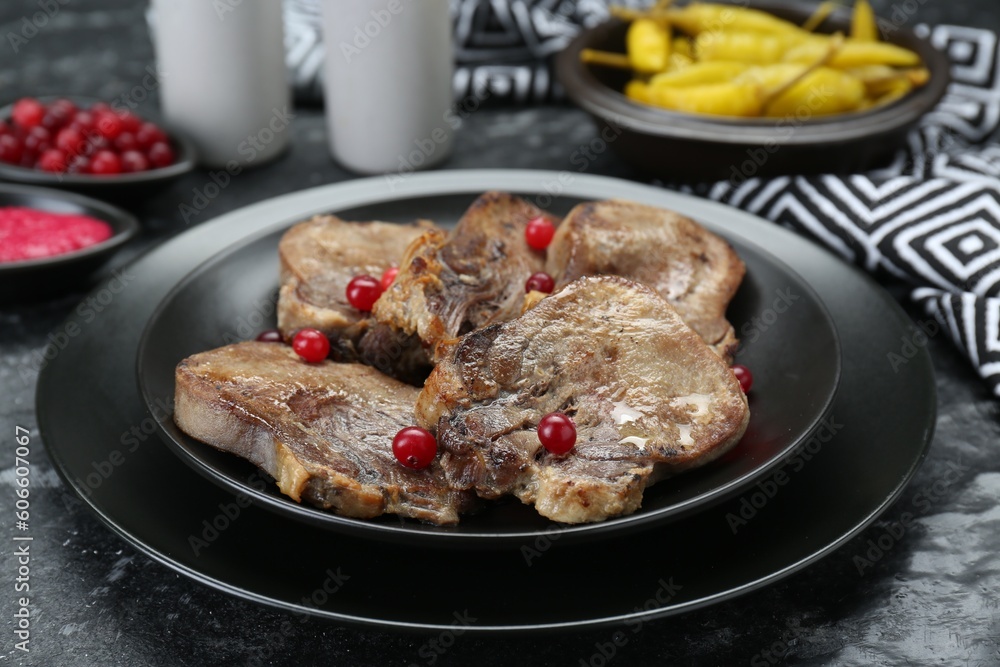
[88, 146]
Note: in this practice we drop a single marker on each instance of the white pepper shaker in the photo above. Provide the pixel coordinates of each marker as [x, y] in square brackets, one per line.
[388, 83]
[224, 81]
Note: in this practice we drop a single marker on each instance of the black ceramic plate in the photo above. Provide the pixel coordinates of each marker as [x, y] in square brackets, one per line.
[93, 420]
[37, 278]
[794, 354]
[123, 187]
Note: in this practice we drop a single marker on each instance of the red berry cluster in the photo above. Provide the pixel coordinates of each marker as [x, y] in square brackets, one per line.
[63, 138]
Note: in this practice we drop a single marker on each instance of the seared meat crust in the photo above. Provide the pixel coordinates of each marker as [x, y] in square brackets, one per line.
[450, 284]
[323, 431]
[648, 397]
[319, 257]
[692, 268]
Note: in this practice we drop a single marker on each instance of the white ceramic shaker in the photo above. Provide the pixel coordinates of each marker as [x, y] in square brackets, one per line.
[388, 83]
[224, 81]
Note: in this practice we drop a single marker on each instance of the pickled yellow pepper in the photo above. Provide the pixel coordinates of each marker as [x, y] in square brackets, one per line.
[648, 45]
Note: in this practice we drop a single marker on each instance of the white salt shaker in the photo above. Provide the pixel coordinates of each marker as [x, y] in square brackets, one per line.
[224, 81]
[388, 83]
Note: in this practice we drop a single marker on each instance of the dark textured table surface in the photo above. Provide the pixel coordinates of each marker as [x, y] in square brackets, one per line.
[932, 599]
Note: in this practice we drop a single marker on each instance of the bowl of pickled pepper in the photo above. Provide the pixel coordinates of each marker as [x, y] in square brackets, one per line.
[718, 91]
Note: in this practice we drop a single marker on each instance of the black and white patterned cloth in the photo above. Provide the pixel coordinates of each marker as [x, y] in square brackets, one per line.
[932, 218]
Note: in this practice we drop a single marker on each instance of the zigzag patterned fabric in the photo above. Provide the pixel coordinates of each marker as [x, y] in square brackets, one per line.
[932, 218]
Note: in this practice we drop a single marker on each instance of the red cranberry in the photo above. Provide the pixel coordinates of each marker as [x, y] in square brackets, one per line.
[539, 233]
[5, 127]
[78, 164]
[414, 447]
[70, 140]
[557, 433]
[58, 115]
[270, 336]
[126, 142]
[540, 282]
[109, 125]
[82, 120]
[105, 163]
[28, 112]
[53, 160]
[388, 276]
[11, 149]
[149, 134]
[311, 345]
[363, 292]
[38, 140]
[134, 161]
[94, 142]
[63, 107]
[160, 155]
[130, 122]
[745, 377]
[53, 122]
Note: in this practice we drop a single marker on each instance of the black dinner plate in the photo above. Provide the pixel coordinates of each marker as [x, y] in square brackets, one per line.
[790, 343]
[102, 441]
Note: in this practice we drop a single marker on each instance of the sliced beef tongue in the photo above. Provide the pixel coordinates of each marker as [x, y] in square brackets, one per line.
[323, 431]
[648, 397]
[692, 268]
[450, 284]
[319, 257]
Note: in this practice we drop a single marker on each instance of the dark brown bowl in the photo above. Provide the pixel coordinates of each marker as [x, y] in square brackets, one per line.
[685, 147]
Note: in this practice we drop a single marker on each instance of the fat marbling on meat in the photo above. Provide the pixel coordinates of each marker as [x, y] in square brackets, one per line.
[323, 431]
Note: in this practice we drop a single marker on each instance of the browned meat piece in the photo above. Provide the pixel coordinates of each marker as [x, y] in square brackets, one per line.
[319, 258]
[451, 284]
[692, 268]
[648, 396]
[323, 431]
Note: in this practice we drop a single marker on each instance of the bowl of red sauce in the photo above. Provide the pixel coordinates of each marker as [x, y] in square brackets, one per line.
[51, 241]
[88, 146]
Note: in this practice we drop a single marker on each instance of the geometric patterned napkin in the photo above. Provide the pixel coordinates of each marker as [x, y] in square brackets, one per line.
[931, 218]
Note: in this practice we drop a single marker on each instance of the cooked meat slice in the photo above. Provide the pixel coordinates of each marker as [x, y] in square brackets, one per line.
[319, 258]
[449, 284]
[692, 268]
[323, 431]
[648, 396]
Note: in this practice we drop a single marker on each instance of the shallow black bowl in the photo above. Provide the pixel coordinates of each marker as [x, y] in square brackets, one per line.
[685, 147]
[38, 278]
[119, 188]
